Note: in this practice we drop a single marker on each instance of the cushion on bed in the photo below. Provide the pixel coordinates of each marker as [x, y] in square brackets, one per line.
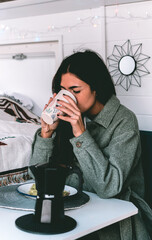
[16, 112]
[19, 98]
[17, 128]
[16, 141]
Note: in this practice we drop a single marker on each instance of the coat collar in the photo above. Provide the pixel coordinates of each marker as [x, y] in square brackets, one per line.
[108, 112]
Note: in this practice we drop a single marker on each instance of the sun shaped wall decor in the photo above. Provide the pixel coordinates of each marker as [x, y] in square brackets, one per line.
[126, 65]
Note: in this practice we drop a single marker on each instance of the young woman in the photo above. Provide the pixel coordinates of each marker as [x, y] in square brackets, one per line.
[99, 135]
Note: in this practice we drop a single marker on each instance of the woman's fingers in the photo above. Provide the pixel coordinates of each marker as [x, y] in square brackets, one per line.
[71, 114]
[45, 107]
[71, 101]
[68, 117]
[76, 122]
[50, 100]
[68, 110]
[73, 107]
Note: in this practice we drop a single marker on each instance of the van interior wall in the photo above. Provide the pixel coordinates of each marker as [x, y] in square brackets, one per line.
[33, 76]
[78, 31]
[133, 21]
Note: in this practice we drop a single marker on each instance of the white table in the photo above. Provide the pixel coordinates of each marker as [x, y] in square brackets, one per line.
[96, 214]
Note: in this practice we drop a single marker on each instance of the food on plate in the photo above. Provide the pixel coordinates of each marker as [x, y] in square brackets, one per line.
[66, 193]
[33, 191]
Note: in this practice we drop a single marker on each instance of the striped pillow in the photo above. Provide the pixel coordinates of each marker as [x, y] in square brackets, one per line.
[18, 112]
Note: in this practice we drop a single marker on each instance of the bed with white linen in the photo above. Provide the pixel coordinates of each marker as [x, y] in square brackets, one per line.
[17, 128]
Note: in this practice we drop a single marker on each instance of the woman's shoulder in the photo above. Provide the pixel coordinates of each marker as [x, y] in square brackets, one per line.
[116, 114]
[127, 117]
[122, 109]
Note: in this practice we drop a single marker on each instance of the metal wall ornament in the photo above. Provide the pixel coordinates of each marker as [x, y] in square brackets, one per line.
[126, 65]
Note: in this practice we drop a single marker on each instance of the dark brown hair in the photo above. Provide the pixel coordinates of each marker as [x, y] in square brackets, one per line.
[89, 67]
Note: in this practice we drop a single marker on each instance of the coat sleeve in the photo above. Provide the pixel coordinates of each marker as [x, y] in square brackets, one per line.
[106, 171]
[41, 149]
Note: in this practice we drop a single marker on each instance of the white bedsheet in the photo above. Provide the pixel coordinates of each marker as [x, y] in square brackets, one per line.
[18, 137]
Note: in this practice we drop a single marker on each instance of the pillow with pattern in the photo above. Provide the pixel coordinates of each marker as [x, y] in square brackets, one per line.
[23, 100]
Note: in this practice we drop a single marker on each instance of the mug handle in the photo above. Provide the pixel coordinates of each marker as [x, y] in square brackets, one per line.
[77, 171]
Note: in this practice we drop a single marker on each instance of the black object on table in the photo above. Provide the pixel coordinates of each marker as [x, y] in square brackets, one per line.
[49, 217]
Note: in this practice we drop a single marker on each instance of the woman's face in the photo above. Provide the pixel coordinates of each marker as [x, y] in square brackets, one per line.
[86, 98]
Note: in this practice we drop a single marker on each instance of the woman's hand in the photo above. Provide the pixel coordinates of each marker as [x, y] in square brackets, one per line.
[72, 115]
[47, 129]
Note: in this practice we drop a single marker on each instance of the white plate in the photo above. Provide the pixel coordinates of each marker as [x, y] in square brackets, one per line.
[25, 188]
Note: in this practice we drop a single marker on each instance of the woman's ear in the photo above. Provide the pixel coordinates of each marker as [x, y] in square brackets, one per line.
[94, 92]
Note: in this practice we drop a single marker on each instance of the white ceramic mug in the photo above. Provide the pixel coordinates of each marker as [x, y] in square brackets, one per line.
[49, 115]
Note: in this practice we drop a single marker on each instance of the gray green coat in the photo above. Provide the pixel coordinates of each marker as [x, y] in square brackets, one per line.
[108, 153]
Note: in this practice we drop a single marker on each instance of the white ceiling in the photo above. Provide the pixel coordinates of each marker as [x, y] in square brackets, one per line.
[25, 8]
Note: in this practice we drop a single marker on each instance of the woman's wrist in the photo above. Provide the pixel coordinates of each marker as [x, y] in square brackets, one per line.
[47, 134]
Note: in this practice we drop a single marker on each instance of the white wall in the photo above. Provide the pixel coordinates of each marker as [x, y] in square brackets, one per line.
[134, 22]
[76, 29]
[31, 76]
